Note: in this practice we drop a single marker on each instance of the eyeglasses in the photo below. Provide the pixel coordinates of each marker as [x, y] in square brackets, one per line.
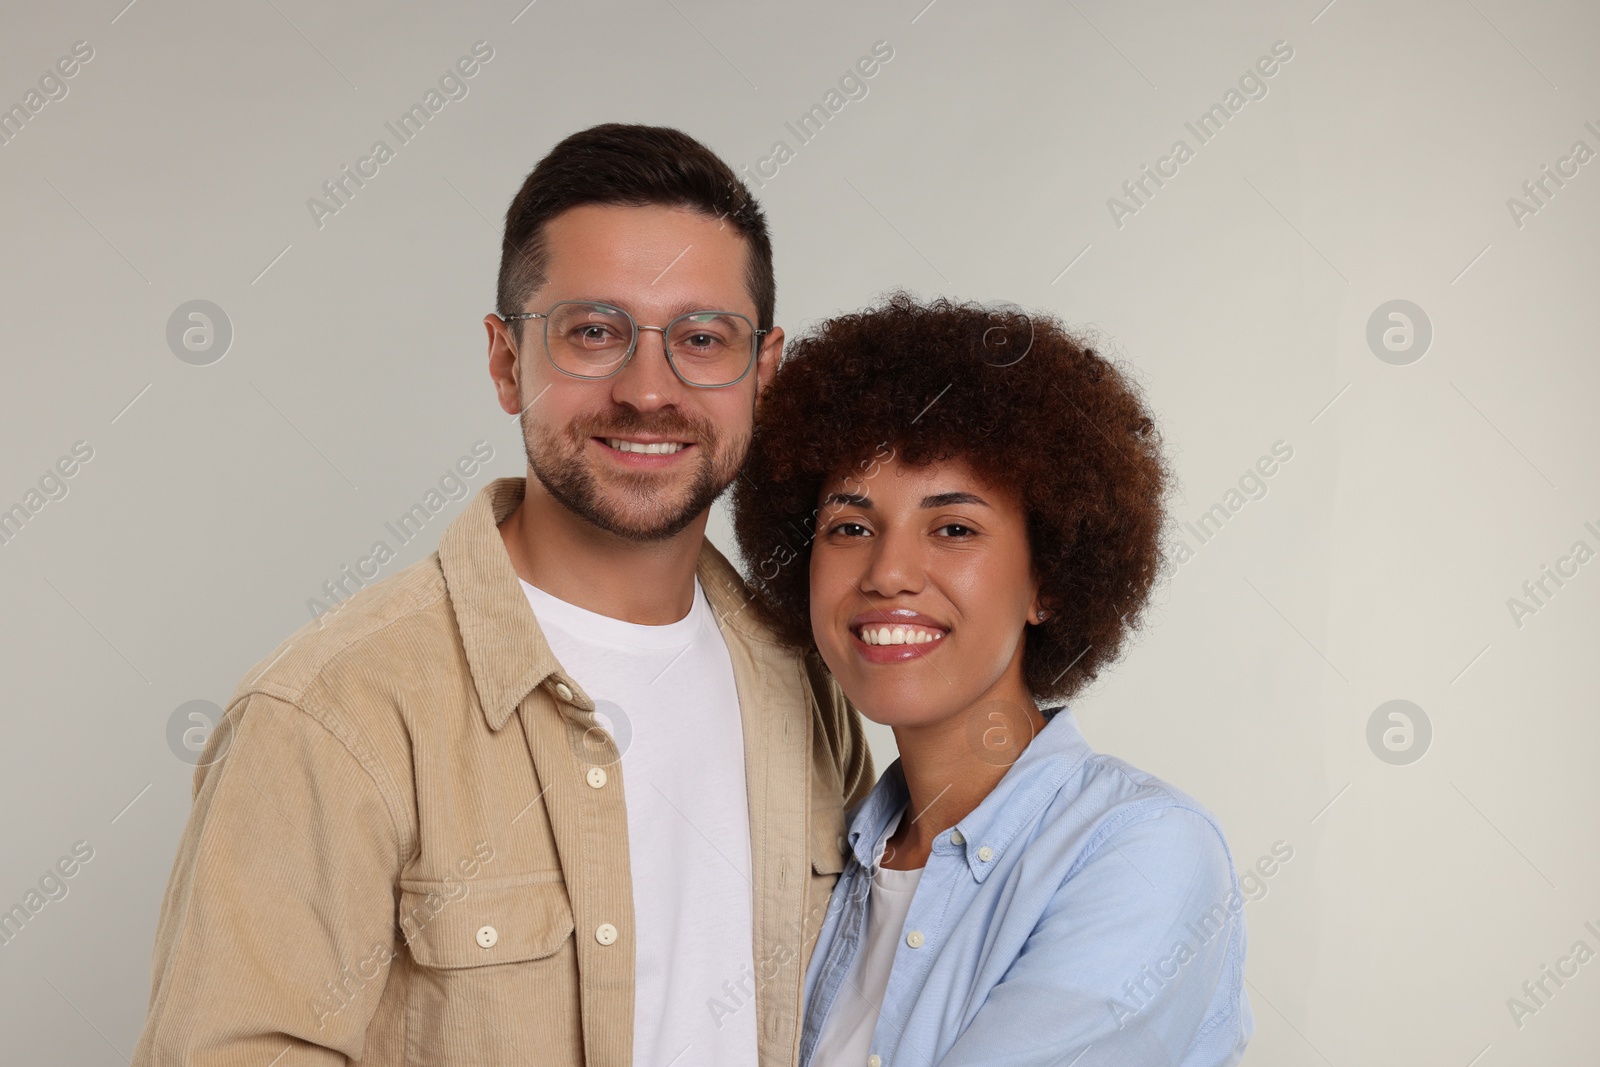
[706, 349]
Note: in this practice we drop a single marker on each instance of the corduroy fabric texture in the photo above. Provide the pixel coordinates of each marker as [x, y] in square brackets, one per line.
[394, 856]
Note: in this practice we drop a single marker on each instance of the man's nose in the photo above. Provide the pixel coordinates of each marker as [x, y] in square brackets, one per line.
[648, 381]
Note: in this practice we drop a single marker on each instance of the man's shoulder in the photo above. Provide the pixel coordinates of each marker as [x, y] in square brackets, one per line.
[738, 616]
[729, 595]
[377, 632]
[838, 724]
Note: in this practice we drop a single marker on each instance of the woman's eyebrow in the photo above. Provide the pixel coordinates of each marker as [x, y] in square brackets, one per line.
[849, 500]
[940, 500]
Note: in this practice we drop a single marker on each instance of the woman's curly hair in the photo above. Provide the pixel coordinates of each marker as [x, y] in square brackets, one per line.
[1028, 405]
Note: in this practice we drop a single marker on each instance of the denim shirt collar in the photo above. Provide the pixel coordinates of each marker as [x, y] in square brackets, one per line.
[1055, 752]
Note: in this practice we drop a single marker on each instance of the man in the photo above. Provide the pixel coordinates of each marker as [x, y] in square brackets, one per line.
[552, 795]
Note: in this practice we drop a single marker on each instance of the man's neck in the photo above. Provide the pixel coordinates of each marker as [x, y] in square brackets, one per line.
[649, 583]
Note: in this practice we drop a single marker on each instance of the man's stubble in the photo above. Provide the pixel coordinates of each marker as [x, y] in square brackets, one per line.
[556, 459]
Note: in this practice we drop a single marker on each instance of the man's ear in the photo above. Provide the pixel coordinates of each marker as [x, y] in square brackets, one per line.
[503, 365]
[767, 361]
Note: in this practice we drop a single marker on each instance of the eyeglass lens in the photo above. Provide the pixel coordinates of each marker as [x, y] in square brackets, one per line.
[592, 339]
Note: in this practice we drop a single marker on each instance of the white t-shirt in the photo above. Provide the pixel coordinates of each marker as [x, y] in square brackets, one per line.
[846, 1038]
[667, 696]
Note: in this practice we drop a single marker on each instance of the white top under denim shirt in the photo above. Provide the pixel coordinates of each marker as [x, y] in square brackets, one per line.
[1084, 909]
[846, 1038]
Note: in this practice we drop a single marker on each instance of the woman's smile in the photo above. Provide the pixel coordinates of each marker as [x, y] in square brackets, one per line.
[921, 589]
[895, 635]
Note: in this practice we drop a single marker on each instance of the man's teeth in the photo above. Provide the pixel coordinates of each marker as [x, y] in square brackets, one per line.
[651, 449]
[899, 635]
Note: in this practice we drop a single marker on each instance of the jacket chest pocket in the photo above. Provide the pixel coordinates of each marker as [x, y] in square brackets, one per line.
[494, 976]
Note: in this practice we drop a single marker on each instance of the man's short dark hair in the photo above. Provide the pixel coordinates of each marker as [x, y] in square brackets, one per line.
[619, 163]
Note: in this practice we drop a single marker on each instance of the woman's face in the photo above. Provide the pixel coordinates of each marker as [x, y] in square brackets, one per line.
[921, 588]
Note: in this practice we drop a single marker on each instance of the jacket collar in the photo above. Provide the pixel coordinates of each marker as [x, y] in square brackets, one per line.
[506, 651]
[1038, 775]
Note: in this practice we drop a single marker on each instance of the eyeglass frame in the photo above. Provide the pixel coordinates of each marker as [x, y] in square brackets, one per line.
[633, 345]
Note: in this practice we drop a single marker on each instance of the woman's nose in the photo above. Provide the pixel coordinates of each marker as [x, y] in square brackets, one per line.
[894, 566]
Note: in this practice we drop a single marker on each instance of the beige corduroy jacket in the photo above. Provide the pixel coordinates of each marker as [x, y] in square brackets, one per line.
[397, 854]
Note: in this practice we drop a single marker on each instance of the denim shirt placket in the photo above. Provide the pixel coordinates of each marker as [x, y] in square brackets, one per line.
[929, 905]
[855, 884]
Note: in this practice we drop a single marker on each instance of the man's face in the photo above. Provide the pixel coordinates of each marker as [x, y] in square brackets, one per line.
[656, 263]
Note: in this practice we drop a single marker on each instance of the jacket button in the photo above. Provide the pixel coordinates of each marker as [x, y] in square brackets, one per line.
[563, 691]
[605, 933]
[915, 939]
[596, 777]
[487, 936]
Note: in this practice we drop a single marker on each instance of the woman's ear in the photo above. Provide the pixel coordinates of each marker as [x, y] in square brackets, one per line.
[1043, 609]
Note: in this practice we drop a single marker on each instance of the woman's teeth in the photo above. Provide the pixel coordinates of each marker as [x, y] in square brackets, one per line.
[651, 449]
[899, 635]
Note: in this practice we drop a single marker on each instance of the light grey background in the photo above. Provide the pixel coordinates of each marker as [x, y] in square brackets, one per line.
[1378, 566]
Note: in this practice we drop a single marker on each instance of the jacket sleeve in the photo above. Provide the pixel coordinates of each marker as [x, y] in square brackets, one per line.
[1137, 960]
[851, 753]
[278, 922]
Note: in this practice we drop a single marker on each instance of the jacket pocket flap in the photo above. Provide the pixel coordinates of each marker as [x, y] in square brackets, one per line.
[484, 925]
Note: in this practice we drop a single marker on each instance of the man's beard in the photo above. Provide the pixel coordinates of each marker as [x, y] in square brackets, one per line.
[556, 459]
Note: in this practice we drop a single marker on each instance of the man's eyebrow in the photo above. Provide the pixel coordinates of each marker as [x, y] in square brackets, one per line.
[689, 309]
[682, 308]
[692, 307]
[849, 500]
[940, 500]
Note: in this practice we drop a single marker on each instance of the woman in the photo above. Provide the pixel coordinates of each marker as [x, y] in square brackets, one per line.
[984, 496]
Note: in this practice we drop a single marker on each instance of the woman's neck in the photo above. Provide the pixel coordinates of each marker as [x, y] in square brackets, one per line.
[951, 765]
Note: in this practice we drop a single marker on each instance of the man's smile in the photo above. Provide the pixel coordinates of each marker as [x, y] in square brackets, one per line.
[644, 452]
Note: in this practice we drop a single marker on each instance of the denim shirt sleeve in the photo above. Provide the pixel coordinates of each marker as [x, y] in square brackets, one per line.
[1133, 961]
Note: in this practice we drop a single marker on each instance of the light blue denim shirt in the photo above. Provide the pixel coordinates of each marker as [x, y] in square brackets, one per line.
[1084, 909]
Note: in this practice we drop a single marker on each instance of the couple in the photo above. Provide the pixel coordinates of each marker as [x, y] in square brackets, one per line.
[571, 791]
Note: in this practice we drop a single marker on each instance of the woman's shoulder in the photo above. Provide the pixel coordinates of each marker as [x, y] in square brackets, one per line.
[1121, 785]
[1110, 801]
